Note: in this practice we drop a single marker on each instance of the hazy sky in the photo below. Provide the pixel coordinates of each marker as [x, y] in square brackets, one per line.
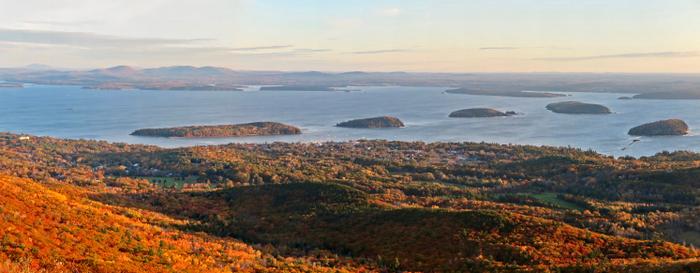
[343, 35]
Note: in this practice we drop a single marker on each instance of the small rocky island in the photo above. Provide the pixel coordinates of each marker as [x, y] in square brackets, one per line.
[236, 130]
[376, 122]
[669, 127]
[480, 113]
[575, 107]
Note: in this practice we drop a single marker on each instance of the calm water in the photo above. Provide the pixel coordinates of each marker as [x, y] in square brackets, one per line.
[71, 112]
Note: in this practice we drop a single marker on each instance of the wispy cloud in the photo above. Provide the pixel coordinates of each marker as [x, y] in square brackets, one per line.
[661, 54]
[382, 51]
[312, 50]
[93, 44]
[84, 39]
[499, 48]
[258, 48]
[519, 48]
[47, 23]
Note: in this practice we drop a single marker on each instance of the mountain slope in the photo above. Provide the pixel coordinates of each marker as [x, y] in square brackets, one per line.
[349, 222]
[60, 231]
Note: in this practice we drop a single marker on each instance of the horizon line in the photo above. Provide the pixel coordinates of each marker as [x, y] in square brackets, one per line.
[58, 68]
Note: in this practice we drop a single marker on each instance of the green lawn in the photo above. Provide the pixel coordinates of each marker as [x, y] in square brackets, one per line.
[552, 198]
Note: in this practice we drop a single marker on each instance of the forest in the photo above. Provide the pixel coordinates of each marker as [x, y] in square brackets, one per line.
[356, 206]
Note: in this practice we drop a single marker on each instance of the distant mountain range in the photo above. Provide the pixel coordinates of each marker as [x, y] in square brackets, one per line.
[219, 78]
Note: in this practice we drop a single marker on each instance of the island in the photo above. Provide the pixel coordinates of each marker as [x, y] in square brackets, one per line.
[624, 98]
[11, 85]
[520, 94]
[669, 127]
[670, 95]
[480, 113]
[236, 130]
[575, 107]
[302, 88]
[376, 122]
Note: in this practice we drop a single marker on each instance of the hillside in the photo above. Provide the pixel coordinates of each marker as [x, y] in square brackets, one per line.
[361, 205]
[61, 231]
[349, 222]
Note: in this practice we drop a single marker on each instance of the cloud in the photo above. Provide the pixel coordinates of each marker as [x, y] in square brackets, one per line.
[94, 45]
[382, 51]
[519, 48]
[390, 12]
[312, 50]
[257, 48]
[85, 39]
[46, 23]
[661, 54]
[499, 48]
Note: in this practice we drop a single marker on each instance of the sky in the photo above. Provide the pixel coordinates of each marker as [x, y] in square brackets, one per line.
[637, 36]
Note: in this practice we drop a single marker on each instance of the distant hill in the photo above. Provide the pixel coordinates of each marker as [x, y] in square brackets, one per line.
[39, 67]
[188, 71]
[493, 84]
[116, 71]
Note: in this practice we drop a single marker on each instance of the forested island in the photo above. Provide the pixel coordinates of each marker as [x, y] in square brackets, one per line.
[480, 113]
[375, 122]
[520, 94]
[236, 130]
[575, 107]
[358, 206]
[669, 127]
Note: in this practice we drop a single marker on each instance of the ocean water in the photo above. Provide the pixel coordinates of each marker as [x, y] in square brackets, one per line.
[75, 113]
